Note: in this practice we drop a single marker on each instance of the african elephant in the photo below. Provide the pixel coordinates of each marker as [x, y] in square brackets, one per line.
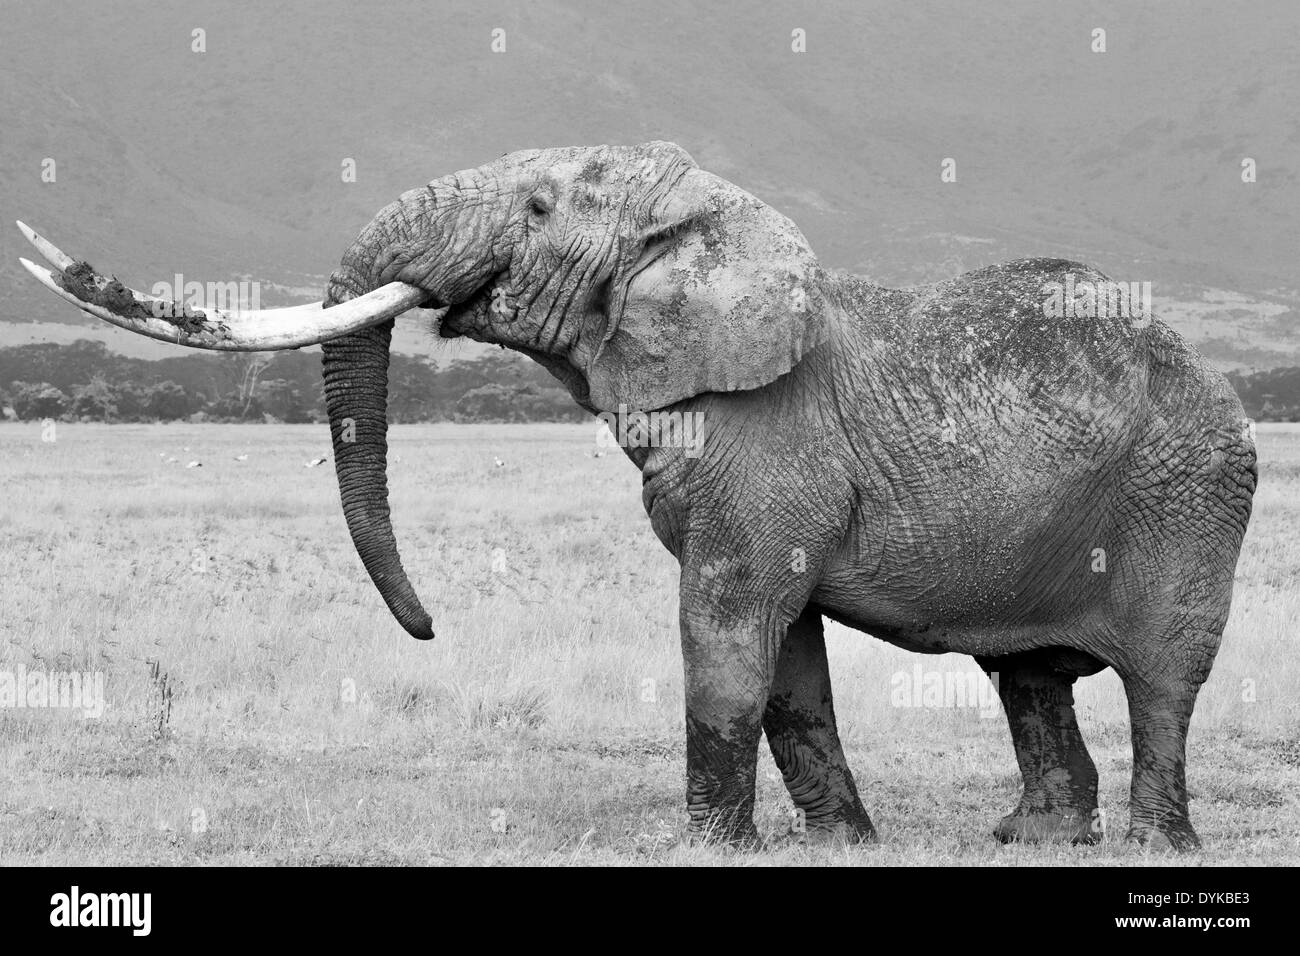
[947, 468]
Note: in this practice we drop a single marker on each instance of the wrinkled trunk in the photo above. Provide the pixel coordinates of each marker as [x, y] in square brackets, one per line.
[423, 238]
[356, 396]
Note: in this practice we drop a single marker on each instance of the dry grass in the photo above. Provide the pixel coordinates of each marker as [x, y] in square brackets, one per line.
[262, 707]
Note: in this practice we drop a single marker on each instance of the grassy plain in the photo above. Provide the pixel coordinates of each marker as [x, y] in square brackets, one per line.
[263, 708]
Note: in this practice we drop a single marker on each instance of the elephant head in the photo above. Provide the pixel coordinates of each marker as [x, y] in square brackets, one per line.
[633, 275]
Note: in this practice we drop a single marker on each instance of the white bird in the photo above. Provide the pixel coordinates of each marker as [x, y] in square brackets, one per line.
[195, 464]
[316, 461]
[241, 458]
[498, 462]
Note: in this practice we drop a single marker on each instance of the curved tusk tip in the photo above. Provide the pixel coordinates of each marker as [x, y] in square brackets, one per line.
[42, 275]
[48, 250]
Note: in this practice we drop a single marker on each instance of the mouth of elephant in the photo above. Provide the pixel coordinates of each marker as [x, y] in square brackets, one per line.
[470, 313]
[471, 317]
[606, 297]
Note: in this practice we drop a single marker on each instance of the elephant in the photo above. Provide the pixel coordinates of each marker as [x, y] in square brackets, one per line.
[948, 468]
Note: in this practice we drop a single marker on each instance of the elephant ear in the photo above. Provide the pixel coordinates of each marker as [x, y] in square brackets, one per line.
[721, 293]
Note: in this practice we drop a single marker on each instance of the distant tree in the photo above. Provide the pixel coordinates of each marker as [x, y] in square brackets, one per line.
[254, 364]
[34, 401]
[96, 401]
[233, 407]
[549, 404]
[168, 401]
[131, 400]
[517, 403]
[62, 366]
[487, 403]
[1269, 395]
[281, 400]
[413, 393]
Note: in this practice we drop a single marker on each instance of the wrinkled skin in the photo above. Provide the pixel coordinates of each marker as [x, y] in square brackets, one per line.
[938, 467]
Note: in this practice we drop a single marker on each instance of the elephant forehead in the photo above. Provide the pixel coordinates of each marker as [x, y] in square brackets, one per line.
[592, 166]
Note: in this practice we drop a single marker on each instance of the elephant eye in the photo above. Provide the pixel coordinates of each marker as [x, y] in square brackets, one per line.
[540, 205]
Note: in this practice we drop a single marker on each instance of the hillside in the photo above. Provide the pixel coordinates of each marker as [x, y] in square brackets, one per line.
[226, 164]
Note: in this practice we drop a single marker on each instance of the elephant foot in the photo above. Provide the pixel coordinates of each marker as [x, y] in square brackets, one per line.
[1078, 827]
[1170, 837]
[837, 834]
[736, 837]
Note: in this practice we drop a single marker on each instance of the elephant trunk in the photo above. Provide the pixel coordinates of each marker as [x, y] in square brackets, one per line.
[426, 239]
[356, 397]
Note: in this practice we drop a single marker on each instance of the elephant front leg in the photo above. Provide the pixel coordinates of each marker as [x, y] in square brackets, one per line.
[728, 672]
[1059, 803]
[800, 724]
[749, 561]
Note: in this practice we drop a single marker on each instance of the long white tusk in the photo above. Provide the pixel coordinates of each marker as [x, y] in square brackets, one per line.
[260, 330]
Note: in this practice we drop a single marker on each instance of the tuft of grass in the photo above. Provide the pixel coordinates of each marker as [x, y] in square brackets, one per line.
[475, 706]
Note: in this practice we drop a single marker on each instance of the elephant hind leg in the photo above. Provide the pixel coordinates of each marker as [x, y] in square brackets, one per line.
[1059, 802]
[1161, 687]
[1180, 591]
[1160, 714]
[799, 721]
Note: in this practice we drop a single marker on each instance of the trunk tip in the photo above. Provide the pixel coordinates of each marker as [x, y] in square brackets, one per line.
[421, 628]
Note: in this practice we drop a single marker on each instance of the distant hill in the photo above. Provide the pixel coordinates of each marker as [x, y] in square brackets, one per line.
[226, 164]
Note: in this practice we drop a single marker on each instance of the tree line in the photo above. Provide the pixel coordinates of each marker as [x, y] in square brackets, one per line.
[85, 381]
[1271, 395]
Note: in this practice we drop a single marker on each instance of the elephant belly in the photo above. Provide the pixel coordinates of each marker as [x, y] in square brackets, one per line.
[962, 564]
